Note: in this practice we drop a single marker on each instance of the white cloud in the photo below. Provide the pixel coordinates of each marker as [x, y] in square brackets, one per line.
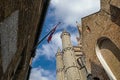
[49, 49]
[70, 11]
[41, 74]
[73, 39]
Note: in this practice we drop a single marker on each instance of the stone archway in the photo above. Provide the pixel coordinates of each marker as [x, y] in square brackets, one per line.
[109, 56]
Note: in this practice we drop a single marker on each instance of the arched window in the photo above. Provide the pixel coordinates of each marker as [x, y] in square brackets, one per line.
[109, 56]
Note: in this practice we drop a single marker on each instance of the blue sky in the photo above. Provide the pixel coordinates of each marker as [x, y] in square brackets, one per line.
[67, 12]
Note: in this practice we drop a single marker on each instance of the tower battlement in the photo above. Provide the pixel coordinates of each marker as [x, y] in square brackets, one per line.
[65, 33]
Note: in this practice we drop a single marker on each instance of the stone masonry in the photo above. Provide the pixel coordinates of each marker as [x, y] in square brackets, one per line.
[20, 26]
[104, 32]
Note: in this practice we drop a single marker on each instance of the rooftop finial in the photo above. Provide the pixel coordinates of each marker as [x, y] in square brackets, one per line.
[59, 50]
[78, 24]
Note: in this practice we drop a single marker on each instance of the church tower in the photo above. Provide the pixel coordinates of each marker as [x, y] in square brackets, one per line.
[71, 70]
[60, 66]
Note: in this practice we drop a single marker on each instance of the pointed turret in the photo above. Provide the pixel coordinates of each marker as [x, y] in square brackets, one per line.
[79, 39]
[58, 52]
[79, 27]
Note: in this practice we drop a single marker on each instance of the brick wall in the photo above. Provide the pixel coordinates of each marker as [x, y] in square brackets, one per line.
[30, 15]
[101, 24]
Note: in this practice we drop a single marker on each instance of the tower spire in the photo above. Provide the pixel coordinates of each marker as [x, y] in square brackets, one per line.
[79, 27]
[79, 39]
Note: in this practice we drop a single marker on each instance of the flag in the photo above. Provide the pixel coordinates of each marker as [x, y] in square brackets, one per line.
[50, 36]
[52, 32]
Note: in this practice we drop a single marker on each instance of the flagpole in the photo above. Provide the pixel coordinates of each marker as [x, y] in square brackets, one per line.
[41, 40]
[44, 37]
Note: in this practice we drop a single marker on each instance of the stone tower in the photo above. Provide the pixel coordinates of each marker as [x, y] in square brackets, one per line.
[69, 66]
[60, 66]
[70, 61]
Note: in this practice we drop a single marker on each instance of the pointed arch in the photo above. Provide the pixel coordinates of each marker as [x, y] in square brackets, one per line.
[109, 56]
